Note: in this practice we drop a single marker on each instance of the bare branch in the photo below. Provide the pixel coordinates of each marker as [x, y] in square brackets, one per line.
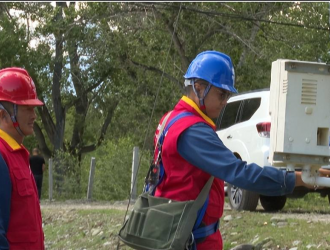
[254, 32]
[69, 104]
[56, 87]
[154, 69]
[227, 30]
[4, 9]
[178, 45]
[43, 111]
[41, 140]
[107, 121]
[87, 149]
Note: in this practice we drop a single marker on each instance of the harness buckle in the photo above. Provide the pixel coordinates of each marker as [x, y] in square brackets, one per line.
[190, 242]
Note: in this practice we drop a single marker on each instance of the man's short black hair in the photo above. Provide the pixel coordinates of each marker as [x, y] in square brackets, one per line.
[8, 107]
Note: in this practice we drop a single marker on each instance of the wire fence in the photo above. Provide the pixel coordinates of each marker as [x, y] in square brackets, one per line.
[110, 178]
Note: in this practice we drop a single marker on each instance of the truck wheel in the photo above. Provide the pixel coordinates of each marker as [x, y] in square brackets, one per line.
[240, 199]
[272, 203]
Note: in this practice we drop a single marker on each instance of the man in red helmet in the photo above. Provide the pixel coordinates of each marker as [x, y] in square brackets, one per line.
[20, 215]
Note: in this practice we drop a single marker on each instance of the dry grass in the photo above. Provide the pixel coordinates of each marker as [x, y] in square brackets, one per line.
[303, 223]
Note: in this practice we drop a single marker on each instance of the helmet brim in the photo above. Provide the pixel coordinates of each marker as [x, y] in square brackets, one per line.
[31, 102]
[227, 87]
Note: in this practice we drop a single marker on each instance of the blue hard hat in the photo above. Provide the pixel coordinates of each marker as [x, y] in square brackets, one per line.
[213, 67]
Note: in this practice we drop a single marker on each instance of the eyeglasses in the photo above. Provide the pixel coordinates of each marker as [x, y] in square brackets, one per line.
[223, 94]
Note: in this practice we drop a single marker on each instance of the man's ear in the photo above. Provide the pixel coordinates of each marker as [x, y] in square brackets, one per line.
[199, 88]
[3, 114]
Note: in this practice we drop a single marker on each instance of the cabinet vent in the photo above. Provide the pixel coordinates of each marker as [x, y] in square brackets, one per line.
[309, 91]
[285, 86]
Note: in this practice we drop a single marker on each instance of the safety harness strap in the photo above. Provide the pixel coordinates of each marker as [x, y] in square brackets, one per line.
[206, 231]
[201, 213]
[160, 145]
[179, 116]
[197, 232]
[203, 232]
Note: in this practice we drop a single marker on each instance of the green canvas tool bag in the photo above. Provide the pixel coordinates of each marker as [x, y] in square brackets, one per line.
[157, 223]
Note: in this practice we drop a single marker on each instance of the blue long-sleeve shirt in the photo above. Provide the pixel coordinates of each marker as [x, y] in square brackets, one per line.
[200, 146]
[5, 197]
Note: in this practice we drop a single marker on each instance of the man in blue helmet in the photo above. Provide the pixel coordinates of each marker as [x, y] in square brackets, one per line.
[192, 151]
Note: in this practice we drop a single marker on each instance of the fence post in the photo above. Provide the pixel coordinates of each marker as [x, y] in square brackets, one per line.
[91, 179]
[135, 164]
[50, 179]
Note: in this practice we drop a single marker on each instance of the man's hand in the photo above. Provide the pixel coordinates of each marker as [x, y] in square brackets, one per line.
[324, 172]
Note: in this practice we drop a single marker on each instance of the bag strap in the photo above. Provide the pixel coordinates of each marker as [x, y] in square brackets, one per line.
[199, 207]
[201, 202]
[154, 161]
[179, 116]
[160, 145]
[201, 198]
[162, 126]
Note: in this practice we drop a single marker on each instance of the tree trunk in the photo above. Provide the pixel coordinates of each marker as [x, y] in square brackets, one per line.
[56, 96]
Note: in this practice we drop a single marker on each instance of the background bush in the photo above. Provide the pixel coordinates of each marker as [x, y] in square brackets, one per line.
[112, 177]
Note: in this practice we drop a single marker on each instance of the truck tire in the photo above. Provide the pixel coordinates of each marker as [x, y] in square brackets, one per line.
[272, 203]
[240, 199]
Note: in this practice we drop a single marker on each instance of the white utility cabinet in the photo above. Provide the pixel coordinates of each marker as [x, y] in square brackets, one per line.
[300, 113]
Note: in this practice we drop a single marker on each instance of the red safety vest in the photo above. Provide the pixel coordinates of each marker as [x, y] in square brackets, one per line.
[25, 223]
[183, 181]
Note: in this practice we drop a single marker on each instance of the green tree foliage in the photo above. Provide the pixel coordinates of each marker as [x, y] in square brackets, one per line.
[113, 169]
[107, 71]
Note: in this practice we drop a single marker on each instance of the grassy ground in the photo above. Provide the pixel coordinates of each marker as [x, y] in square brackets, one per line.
[295, 226]
[254, 228]
[82, 229]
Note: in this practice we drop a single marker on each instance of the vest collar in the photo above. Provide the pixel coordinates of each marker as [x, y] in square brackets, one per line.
[194, 106]
[10, 141]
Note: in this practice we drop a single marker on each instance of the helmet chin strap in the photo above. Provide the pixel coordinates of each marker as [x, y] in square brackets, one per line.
[201, 99]
[13, 118]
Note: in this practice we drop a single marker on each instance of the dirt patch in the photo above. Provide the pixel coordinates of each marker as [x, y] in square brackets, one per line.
[122, 205]
[311, 217]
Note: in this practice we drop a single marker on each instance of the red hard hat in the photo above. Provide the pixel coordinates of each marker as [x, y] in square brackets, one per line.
[17, 86]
